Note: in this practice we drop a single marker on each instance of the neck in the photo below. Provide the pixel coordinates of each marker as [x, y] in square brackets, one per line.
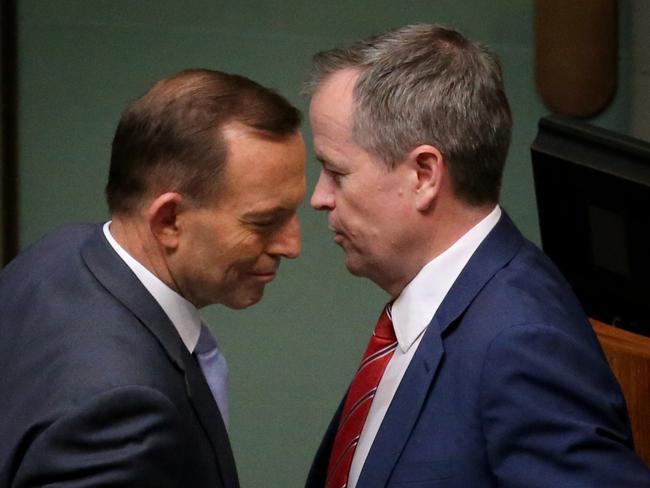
[135, 237]
[438, 231]
[454, 223]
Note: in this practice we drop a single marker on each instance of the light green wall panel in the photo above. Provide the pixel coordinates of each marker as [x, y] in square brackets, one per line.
[292, 355]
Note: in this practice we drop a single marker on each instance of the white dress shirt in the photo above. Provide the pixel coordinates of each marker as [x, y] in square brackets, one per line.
[412, 311]
[183, 314]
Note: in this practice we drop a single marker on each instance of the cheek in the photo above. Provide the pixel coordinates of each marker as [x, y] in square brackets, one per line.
[236, 241]
[245, 249]
[369, 218]
[353, 209]
[213, 255]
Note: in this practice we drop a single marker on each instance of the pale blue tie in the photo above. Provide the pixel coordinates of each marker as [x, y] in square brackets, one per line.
[215, 369]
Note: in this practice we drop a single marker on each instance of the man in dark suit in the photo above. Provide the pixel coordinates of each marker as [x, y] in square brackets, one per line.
[482, 371]
[109, 377]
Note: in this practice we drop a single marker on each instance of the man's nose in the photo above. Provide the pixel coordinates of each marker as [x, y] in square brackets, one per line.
[322, 198]
[287, 243]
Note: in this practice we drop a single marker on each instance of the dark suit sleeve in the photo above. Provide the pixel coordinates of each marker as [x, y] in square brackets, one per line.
[553, 415]
[127, 436]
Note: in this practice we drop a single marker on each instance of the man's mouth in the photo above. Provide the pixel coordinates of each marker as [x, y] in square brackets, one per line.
[264, 275]
[338, 235]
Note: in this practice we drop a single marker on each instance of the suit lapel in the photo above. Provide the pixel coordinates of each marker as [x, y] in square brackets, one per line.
[403, 411]
[493, 254]
[318, 472]
[208, 413]
[119, 280]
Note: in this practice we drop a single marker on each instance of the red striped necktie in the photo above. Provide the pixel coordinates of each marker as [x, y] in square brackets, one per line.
[360, 395]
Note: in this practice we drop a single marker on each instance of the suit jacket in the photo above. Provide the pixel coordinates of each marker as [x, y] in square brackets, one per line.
[509, 387]
[96, 386]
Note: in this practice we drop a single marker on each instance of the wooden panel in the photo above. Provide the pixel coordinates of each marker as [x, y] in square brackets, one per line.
[576, 54]
[629, 357]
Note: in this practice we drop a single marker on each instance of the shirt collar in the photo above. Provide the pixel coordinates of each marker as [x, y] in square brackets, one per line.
[183, 315]
[417, 304]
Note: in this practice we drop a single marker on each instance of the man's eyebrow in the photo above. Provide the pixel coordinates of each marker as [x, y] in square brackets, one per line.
[326, 163]
[321, 159]
[269, 211]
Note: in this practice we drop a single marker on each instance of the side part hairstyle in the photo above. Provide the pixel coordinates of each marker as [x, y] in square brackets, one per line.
[170, 138]
[428, 84]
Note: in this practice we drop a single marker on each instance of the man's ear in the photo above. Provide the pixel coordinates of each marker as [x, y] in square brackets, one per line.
[429, 166]
[163, 219]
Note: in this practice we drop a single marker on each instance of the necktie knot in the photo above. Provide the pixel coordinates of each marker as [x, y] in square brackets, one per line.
[206, 342]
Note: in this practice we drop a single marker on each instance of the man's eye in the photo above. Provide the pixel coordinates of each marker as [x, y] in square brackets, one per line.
[335, 175]
[265, 223]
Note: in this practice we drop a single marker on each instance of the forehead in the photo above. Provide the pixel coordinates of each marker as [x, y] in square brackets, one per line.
[339, 84]
[332, 101]
[260, 169]
[330, 113]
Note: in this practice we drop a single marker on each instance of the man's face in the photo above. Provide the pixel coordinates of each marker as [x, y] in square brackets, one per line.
[367, 204]
[230, 250]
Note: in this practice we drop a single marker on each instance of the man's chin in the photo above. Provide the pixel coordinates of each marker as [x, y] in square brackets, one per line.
[354, 266]
[244, 299]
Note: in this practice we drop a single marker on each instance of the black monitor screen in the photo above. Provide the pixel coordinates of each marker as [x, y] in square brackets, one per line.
[593, 200]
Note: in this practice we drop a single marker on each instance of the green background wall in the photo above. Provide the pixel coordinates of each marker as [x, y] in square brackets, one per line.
[292, 355]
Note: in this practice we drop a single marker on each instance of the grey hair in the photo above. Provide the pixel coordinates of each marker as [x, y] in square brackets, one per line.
[428, 84]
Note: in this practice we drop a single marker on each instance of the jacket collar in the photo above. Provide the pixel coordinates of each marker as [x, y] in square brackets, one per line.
[498, 248]
[119, 280]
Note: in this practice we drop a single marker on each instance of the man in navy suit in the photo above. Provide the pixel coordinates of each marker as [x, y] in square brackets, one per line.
[494, 377]
[105, 378]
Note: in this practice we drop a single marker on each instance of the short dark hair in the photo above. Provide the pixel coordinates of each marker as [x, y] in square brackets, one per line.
[428, 84]
[170, 138]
